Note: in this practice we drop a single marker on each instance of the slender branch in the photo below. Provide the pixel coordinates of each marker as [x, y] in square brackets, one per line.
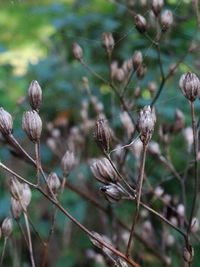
[138, 197]
[29, 240]
[37, 160]
[3, 251]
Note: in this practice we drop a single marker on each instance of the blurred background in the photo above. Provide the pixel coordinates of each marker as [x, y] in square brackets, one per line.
[36, 40]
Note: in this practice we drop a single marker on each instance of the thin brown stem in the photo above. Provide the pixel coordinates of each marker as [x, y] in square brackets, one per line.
[29, 240]
[37, 160]
[138, 197]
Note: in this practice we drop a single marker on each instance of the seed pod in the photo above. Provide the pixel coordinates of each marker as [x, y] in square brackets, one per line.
[77, 51]
[154, 148]
[54, 182]
[188, 135]
[181, 210]
[103, 134]
[166, 20]
[120, 75]
[35, 95]
[112, 192]
[108, 42]
[152, 87]
[137, 59]
[140, 23]
[103, 171]
[195, 225]
[26, 195]
[157, 6]
[68, 163]
[170, 240]
[16, 208]
[6, 122]
[179, 122]
[15, 188]
[32, 125]
[7, 227]
[145, 124]
[141, 71]
[189, 84]
[127, 123]
[188, 255]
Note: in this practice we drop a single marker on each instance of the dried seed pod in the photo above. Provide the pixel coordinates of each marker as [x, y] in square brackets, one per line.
[145, 124]
[141, 71]
[120, 75]
[157, 5]
[154, 148]
[188, 135]
[188, 255]
[35, 95]
[32, 125]
[16, 208]
[15, 188]
[113, 192]
[103, 171]
[140, 23]
[26, 195]
[103, 134]
[104, 239]
[7, 227]
[195, 225]
[6, 122]
[137, 59]
[77, 51]
[152, 87]
[170, 240]
[54, 182]
[181, 210]
[68, 162]
[189, 84]
[179, 122]
[108, 42]
[166, 20]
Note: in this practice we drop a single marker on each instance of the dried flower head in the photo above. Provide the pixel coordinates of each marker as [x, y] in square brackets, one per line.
[140, 23]
[54, 182]
[6, 122]
[166, 20]
[145, 124]
[103, 171]
[32, 125]
[141, 71]
[112, 192]
[68, 162]
[127, 123]
[108, 42]
[137, 59]
[188, 255]
[154, 148]
[15, 188]
[35, 95]
[195, 225]
[103, 134]
[77, 51]
[157, 6]
[26, 195]
[120, 75]
[189, 84]
[16, 208]
[7, 227]
[103, 239]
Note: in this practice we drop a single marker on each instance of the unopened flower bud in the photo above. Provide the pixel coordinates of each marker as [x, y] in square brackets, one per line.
[157, 6]
[15, 188]
[68, 163]
[145, 124]
[141, 71]
[179, 121]
[54, 182]
[112, 192]
[137, 59]
[140, 23]
[181, 210]
[103, 171]
[35, 95]
[7, 227]
[190, 86]
[152, 86]
[170, 240]
[6, 122]
[120, 75]
[188, 255]
[77, 51]
[32, 125]
[103, 134]
[16, 208]
[108, 42]
[158, 191]
[166, 20]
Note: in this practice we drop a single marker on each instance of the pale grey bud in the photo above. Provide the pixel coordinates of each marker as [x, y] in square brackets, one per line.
[154, 148]
[157, 6]
[77, 51]
[68, 162]
[190, 86]
[26, 195]
[15, 188]
[32, 125]
[145, 124]
[137, 59]
[166, 20]
[6, 122]
[7, 227]
[54, 182]
[16, 208]
[140, 23]
[35, 95]
[127, 123]
[102, 134]
[188, 255]
[103, 171]
[108, 42]
[113, 192]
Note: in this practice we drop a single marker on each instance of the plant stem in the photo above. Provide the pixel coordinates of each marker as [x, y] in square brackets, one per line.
[37, 160]
[3, 251]
[29, 240]
[138, 197]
